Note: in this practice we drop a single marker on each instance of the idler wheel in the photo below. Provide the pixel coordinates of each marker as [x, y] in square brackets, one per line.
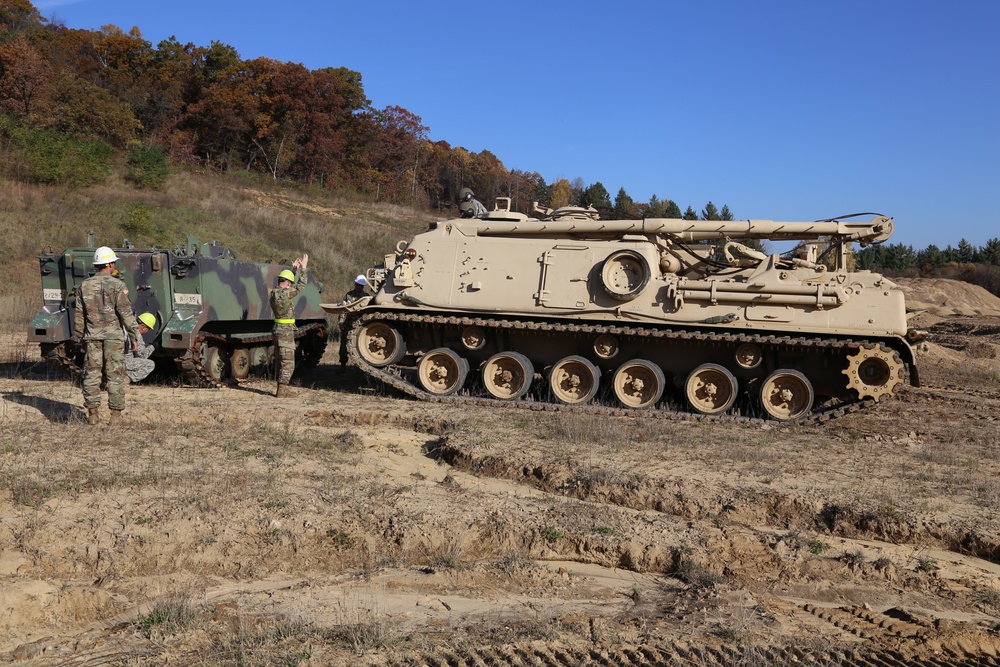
[874, 372]
[786, 394]
[508, 375]
[380, 344]
[638, 383]
[574, 380]
[442, 372]
[710, 389]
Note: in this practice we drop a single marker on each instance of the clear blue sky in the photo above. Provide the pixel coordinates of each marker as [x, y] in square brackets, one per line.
[781, 109]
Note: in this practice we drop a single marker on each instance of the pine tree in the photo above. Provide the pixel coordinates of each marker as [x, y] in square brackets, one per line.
[655, 208]
[623, 205]
[990, 253]
[966, 252]
[597, 196]
[710, 212]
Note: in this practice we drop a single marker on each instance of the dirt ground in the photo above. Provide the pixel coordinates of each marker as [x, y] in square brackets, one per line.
[351, 526]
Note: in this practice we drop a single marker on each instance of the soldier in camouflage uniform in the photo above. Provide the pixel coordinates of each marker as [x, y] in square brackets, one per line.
[104, 321]
[469, 205]
[138, 364]
[356, 292]
[283, 306]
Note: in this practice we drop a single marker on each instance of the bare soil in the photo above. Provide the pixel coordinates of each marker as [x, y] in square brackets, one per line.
[350, 526]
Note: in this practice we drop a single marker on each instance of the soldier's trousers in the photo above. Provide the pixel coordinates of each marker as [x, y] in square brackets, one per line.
[284, 352]
[343, 346]
[105, 363]
[137, 369]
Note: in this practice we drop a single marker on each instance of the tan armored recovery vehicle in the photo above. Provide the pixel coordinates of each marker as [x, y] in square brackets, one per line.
[659, 314]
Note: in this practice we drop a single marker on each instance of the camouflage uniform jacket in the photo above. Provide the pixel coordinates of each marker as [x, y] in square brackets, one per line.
[283, 299]
[145, 351]
[357, 293]
[103, 309]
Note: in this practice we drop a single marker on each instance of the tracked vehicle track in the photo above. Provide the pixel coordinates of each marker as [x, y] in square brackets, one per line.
[395, 376]
[59, 358]
[311, 339]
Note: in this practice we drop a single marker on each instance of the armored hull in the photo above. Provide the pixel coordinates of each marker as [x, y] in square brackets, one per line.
[213, 316]
[659, 315]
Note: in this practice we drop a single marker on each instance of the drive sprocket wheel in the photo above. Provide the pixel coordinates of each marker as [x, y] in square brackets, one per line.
[874, 372]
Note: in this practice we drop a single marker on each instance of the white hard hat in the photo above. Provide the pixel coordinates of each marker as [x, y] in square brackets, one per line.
[361, 280]
[105, 255]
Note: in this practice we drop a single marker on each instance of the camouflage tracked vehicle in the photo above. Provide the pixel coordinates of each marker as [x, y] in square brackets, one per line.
[670, 315]
[213, 318]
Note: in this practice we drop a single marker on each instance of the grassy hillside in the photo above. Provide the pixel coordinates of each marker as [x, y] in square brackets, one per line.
[260, 219]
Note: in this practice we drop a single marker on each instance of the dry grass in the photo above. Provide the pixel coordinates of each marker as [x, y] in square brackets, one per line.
[260, 220]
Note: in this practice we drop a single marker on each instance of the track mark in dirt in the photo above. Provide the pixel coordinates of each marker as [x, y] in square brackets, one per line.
[677, 654]
[866, 624]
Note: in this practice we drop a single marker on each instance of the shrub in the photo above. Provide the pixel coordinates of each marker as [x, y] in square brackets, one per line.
[140, 219]
[167, 617]
[817, 546]
[147, 166]
[698, 576]
[43, 156]
[552, 534]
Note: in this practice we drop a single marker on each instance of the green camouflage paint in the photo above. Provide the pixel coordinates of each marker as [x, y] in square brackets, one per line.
[194, 290]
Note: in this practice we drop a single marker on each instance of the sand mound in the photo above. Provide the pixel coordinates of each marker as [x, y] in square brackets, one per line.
[948, 297]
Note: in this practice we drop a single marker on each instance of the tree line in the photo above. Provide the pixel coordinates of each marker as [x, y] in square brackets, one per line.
[71, 100]
[977, 265]
[902, 258]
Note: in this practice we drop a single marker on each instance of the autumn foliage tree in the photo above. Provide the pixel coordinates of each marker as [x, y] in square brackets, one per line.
[207, 106]
[560, 193]
[24, 77]
[18, 17]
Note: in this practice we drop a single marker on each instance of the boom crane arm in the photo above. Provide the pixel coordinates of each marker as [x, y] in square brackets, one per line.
[876, 230]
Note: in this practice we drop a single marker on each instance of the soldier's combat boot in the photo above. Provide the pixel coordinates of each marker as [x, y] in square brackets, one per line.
[92, 414]
[284, 391]
[116, 418]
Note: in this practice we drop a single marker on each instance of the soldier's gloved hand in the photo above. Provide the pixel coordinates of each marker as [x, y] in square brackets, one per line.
[135, 346]
[75, 339]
